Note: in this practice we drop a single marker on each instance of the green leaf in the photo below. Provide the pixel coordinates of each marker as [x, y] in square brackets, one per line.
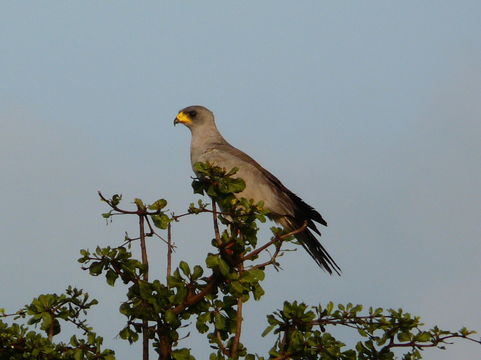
[268, 330]
[145, 289]
[73, 340]
[78, 354]
[330, 307]
[224, 268]
[96, 268]
[158, 205]
[116, 199]
[182, 354]
[139, 203]
[128, 334]
[423, 337]
[47, 321]
[237, 186]
[111, 277]
[198, 272]
[199, 167]
[258, 292]
[219, 321]
[201, 322]
[404, 336]
[198, 187]
[185, 268]
[212, 261]
[237, 287]
[161, 221]
[170, 316]
[233, 171]
[124, 309]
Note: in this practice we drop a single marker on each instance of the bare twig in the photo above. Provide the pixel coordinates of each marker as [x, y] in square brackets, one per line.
[169, 250]
[199, 211]
[271, 261]
[274, 240]
[139, 211]
[435, 342]
[21, 313]
[115, 206]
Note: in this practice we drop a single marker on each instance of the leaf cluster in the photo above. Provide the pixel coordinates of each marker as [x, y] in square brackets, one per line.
[48, 311]
[301, 333]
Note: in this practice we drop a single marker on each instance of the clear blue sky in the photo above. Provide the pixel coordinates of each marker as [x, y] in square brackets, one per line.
[370, 111]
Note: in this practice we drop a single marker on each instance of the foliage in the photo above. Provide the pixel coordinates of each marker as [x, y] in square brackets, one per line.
[48, 311]
[301, 333]
[209, 297]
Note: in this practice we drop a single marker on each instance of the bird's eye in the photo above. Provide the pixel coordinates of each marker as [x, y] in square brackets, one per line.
[192, 113]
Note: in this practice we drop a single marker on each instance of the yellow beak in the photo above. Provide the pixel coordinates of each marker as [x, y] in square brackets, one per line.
[182, 118]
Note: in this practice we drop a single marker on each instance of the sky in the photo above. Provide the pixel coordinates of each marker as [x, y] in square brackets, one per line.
[369, 111]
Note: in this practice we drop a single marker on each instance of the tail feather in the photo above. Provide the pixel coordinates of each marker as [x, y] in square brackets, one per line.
[312, 245]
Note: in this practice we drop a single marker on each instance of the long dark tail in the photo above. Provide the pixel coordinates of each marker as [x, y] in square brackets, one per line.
[312, 245]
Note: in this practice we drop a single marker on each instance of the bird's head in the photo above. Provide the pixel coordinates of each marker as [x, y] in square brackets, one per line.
[193, 116]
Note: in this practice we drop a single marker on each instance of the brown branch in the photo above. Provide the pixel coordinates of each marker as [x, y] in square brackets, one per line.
[115, 206]
[274, 240]
[169, 250]
[145, 261]
[199, 211]
[51, 330]
[153, 232]
[20, 313]
[272, 260]
[165, 343]
[177, 217]
[435, 342]
[238, 331]
[216, 224]
[128, 212]
[212, 283]
[284, 357]
[221, 344]
[143, 247]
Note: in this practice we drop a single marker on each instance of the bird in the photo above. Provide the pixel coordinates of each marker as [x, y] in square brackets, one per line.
[283, 206]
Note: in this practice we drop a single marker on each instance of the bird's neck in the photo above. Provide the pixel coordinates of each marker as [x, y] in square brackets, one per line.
[204, 138]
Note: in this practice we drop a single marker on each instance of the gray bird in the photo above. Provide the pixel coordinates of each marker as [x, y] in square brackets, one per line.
[284, 207]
